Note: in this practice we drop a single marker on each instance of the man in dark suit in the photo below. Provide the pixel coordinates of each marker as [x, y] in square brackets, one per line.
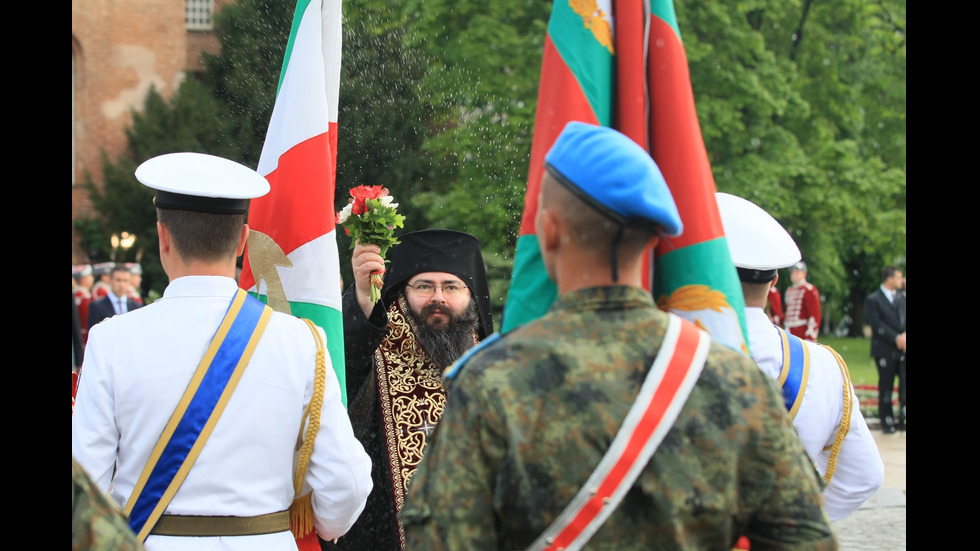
[116, 300]
[884, 311]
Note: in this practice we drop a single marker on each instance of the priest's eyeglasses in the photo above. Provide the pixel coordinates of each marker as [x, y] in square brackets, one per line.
[427, 289]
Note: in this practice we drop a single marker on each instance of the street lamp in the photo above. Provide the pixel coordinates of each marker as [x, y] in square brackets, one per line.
[122, 240]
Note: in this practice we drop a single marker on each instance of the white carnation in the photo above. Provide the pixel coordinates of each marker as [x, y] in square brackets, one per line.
[345, 213]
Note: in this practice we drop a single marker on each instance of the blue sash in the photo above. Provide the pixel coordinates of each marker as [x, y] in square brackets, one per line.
[203, 401]
[795, 371]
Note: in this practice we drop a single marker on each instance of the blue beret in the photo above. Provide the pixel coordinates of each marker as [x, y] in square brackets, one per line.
[614, 175]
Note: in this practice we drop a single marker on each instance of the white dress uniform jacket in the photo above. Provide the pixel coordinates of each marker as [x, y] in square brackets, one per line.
[136, 368]
[859, 472]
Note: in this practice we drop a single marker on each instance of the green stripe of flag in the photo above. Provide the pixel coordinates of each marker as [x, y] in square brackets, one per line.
[572, 52]
[301, 6]
[589, 60]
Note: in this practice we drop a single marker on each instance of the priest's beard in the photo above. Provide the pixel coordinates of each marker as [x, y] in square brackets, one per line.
[446, 342]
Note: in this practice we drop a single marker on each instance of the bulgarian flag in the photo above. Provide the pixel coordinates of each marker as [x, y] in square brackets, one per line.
[695, 276]
[291, 261]
[576, 85]
[621, 63]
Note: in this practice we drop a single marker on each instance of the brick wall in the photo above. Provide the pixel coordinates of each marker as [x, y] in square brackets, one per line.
[119, 49]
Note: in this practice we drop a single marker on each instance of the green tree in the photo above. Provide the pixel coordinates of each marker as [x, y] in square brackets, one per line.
[484, 71]
[791, 96]
[852, 72]
[383, 119]
[252, 35]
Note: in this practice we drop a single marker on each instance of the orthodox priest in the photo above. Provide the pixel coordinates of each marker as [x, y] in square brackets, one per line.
[434, 306]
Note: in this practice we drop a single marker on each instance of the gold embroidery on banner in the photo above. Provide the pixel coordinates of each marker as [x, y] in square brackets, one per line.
[695, 301]
[688, 298]
[596, 20]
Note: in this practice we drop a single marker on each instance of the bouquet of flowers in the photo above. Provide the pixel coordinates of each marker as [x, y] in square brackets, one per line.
[370, 217]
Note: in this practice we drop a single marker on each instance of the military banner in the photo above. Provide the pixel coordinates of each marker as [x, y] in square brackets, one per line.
[694, 274]
[622, 64]
[576, 84]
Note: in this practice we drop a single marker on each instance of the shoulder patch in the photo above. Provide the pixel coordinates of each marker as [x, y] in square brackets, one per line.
[454, 369]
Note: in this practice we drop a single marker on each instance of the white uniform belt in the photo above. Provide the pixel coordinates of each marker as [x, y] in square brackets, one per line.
[209, 526]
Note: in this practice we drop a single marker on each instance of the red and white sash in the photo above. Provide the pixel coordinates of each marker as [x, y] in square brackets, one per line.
[664, 392]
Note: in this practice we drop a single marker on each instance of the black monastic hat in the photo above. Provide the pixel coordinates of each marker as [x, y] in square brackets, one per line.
[440, 250]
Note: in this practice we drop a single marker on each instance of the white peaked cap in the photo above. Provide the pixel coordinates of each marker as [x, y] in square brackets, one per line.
[201, 182]
[756, 241]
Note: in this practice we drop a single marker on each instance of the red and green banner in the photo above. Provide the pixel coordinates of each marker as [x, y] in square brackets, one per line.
[642, 88]
[694, 274]
[576, 77]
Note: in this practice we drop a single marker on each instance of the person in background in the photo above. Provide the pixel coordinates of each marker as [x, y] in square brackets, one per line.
[815, 381]
[206, 412]
[537, 417]
[103, 276]
[77, 343]
[116, 301]
[802, 305]
[775, 306]
[435, 305]
[135, 281]
[884, 310]
[82, 280]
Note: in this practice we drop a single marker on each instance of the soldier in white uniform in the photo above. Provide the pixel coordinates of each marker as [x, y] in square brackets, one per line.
[240, 483]
[817, 388]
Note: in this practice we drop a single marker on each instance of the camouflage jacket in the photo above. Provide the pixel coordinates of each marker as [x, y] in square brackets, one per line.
[530, 416]
[97, 522]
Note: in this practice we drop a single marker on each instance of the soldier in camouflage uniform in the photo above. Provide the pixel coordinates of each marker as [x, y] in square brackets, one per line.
[97, 522]
[530, 414]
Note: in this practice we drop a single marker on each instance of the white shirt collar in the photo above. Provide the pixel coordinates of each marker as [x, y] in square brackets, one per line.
[889, 294]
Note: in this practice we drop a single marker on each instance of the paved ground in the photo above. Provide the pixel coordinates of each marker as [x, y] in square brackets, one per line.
[880, 523]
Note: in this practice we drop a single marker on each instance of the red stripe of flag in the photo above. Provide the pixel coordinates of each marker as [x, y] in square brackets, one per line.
[560, 99]
[299, 178]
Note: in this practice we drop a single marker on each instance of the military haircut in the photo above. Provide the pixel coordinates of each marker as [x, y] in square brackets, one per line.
[590, 229]
[755, 293]
[202, 235]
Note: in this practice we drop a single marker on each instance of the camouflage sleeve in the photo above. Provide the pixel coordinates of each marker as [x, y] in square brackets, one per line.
[450, 504]
[97, 522]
